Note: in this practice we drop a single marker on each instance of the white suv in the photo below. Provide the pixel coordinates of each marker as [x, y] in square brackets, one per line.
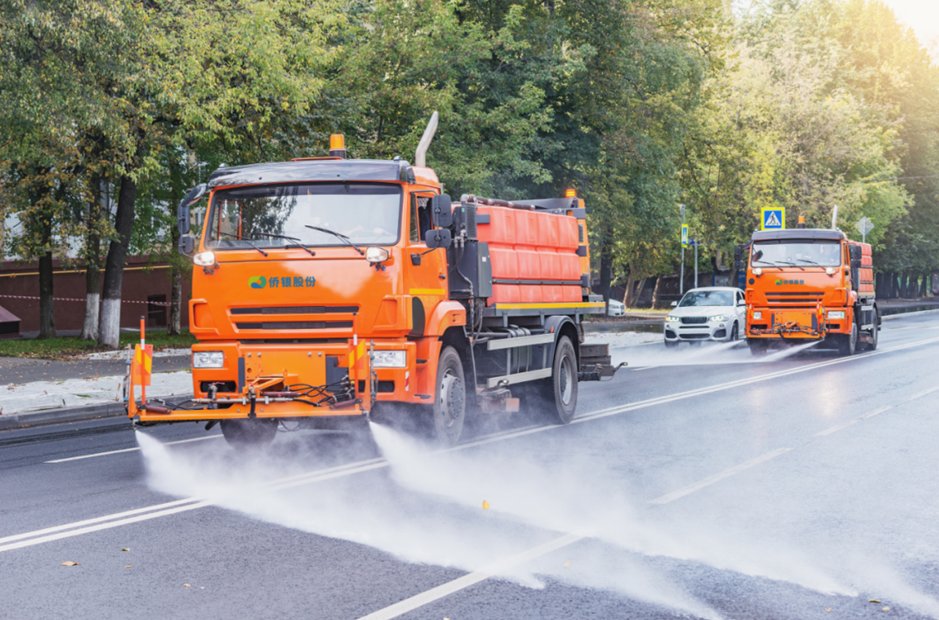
[708, 313]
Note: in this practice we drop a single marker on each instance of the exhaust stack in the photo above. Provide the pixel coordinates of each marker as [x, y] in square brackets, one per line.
[420, 155]
[834, 218]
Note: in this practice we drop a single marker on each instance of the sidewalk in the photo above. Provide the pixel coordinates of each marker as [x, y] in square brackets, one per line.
[37, 392]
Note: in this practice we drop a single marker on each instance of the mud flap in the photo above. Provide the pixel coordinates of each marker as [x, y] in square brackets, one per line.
[595, 363]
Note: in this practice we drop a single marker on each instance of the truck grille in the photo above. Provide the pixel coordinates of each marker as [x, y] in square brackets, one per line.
[294, 318]
[799, 298]
[693, 320]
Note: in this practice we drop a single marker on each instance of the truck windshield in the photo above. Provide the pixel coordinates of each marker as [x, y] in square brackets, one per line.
[796, 253]
[707, 298]
[274, 216]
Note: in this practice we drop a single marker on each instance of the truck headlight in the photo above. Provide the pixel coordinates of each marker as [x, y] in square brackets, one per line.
[757, 315]
[376, 255]
[836, 314]
[718, 317]
[204, 259]
[208, 359]
[389, 359]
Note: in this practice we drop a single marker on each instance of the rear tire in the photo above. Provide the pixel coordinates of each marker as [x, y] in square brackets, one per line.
[251, 433]
[875, 333]
[556, 398]
[449, 410]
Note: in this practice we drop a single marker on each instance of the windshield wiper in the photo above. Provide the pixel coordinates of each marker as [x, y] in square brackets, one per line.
[809, 261]
[337, 235]
[236, 237]
[295, 242]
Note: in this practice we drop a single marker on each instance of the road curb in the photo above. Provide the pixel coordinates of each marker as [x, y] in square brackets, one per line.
[68, 414]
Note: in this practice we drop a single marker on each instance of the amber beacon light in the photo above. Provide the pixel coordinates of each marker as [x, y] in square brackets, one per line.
[337, 145]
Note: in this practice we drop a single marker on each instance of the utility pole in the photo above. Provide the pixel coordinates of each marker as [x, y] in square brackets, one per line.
[681, 277]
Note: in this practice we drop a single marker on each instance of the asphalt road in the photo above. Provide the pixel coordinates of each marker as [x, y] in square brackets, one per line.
[698, 483]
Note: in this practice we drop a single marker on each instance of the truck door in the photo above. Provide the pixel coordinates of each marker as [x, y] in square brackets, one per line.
[426, 271]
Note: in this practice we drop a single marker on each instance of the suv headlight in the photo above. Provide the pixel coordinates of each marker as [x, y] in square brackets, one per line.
[836, 314]
[208, 359]
[671, 318]
[389, 359]
[718, 317]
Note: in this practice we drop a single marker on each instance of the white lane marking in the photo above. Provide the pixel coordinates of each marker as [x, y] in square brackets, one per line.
[870, 415]
[108, 522]
[125, 450]
[900, 315]
[838, 427]
[668, 498]
[923, 393]
[101, 519]
[495, 569]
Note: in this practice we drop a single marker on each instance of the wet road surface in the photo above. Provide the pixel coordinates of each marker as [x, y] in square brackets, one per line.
[698, 483]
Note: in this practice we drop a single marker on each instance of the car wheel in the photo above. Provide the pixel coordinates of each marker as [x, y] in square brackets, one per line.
[735, 333]
[671, 344]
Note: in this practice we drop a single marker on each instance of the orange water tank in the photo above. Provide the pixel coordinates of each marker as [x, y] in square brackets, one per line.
[534, 254]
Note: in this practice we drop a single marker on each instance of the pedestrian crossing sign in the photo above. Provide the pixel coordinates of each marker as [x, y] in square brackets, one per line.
[772, 218]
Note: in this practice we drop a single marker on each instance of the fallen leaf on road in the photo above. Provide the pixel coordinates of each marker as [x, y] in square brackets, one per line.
[884, 608]
[125, 548]
[485, 505]
[187, 585]
[875, 601]
[69, 563]
[567, 563]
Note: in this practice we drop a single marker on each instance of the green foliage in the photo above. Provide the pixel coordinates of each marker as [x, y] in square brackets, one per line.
[640, 104]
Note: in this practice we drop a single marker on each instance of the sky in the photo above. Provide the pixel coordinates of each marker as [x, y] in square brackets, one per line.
[920, 15]
[923, 17]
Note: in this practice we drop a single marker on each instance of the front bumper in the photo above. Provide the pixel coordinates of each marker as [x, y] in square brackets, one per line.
[676, 331]
[274, 380]
[796, 323]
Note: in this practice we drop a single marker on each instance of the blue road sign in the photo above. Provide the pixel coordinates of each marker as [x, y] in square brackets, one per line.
[772, 218]
[684, 235]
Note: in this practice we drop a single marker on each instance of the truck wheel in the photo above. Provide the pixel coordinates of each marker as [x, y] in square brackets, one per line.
[847, 345]
[875, 333]
[557, 396]
[249, 433]
[449, 410]
[757, 347]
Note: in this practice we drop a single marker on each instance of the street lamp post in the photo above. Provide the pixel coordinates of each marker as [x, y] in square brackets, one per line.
[681, 277]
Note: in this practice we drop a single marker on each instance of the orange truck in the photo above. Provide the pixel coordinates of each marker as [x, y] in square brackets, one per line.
[807, 285]
[332, 289]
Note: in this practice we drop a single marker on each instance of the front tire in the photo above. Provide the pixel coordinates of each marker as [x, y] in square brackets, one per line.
[757, 347]
[449, 410]
[251, 433]
[847, 344]
[735, 333]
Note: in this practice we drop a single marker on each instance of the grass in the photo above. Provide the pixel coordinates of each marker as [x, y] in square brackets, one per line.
[64, 347]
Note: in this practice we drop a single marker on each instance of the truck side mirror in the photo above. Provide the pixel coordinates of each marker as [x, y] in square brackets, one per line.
[183, 222]
[187, 245]
[438, 238]
[441, 212]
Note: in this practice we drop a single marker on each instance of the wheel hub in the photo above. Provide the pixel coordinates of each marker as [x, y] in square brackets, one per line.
[451, 398]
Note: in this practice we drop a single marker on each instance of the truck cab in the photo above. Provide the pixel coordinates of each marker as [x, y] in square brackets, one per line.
[810, 284]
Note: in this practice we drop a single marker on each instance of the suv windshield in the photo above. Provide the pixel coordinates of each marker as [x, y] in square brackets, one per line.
[707, 298]
[796, 253]
[274, 216]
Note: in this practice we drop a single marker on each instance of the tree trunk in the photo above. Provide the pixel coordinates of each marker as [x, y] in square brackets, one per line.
[46, 303]
[630, 297]
[176, 299]
[93, 260]
[655, 291]
[110, 324]
[606, 266]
